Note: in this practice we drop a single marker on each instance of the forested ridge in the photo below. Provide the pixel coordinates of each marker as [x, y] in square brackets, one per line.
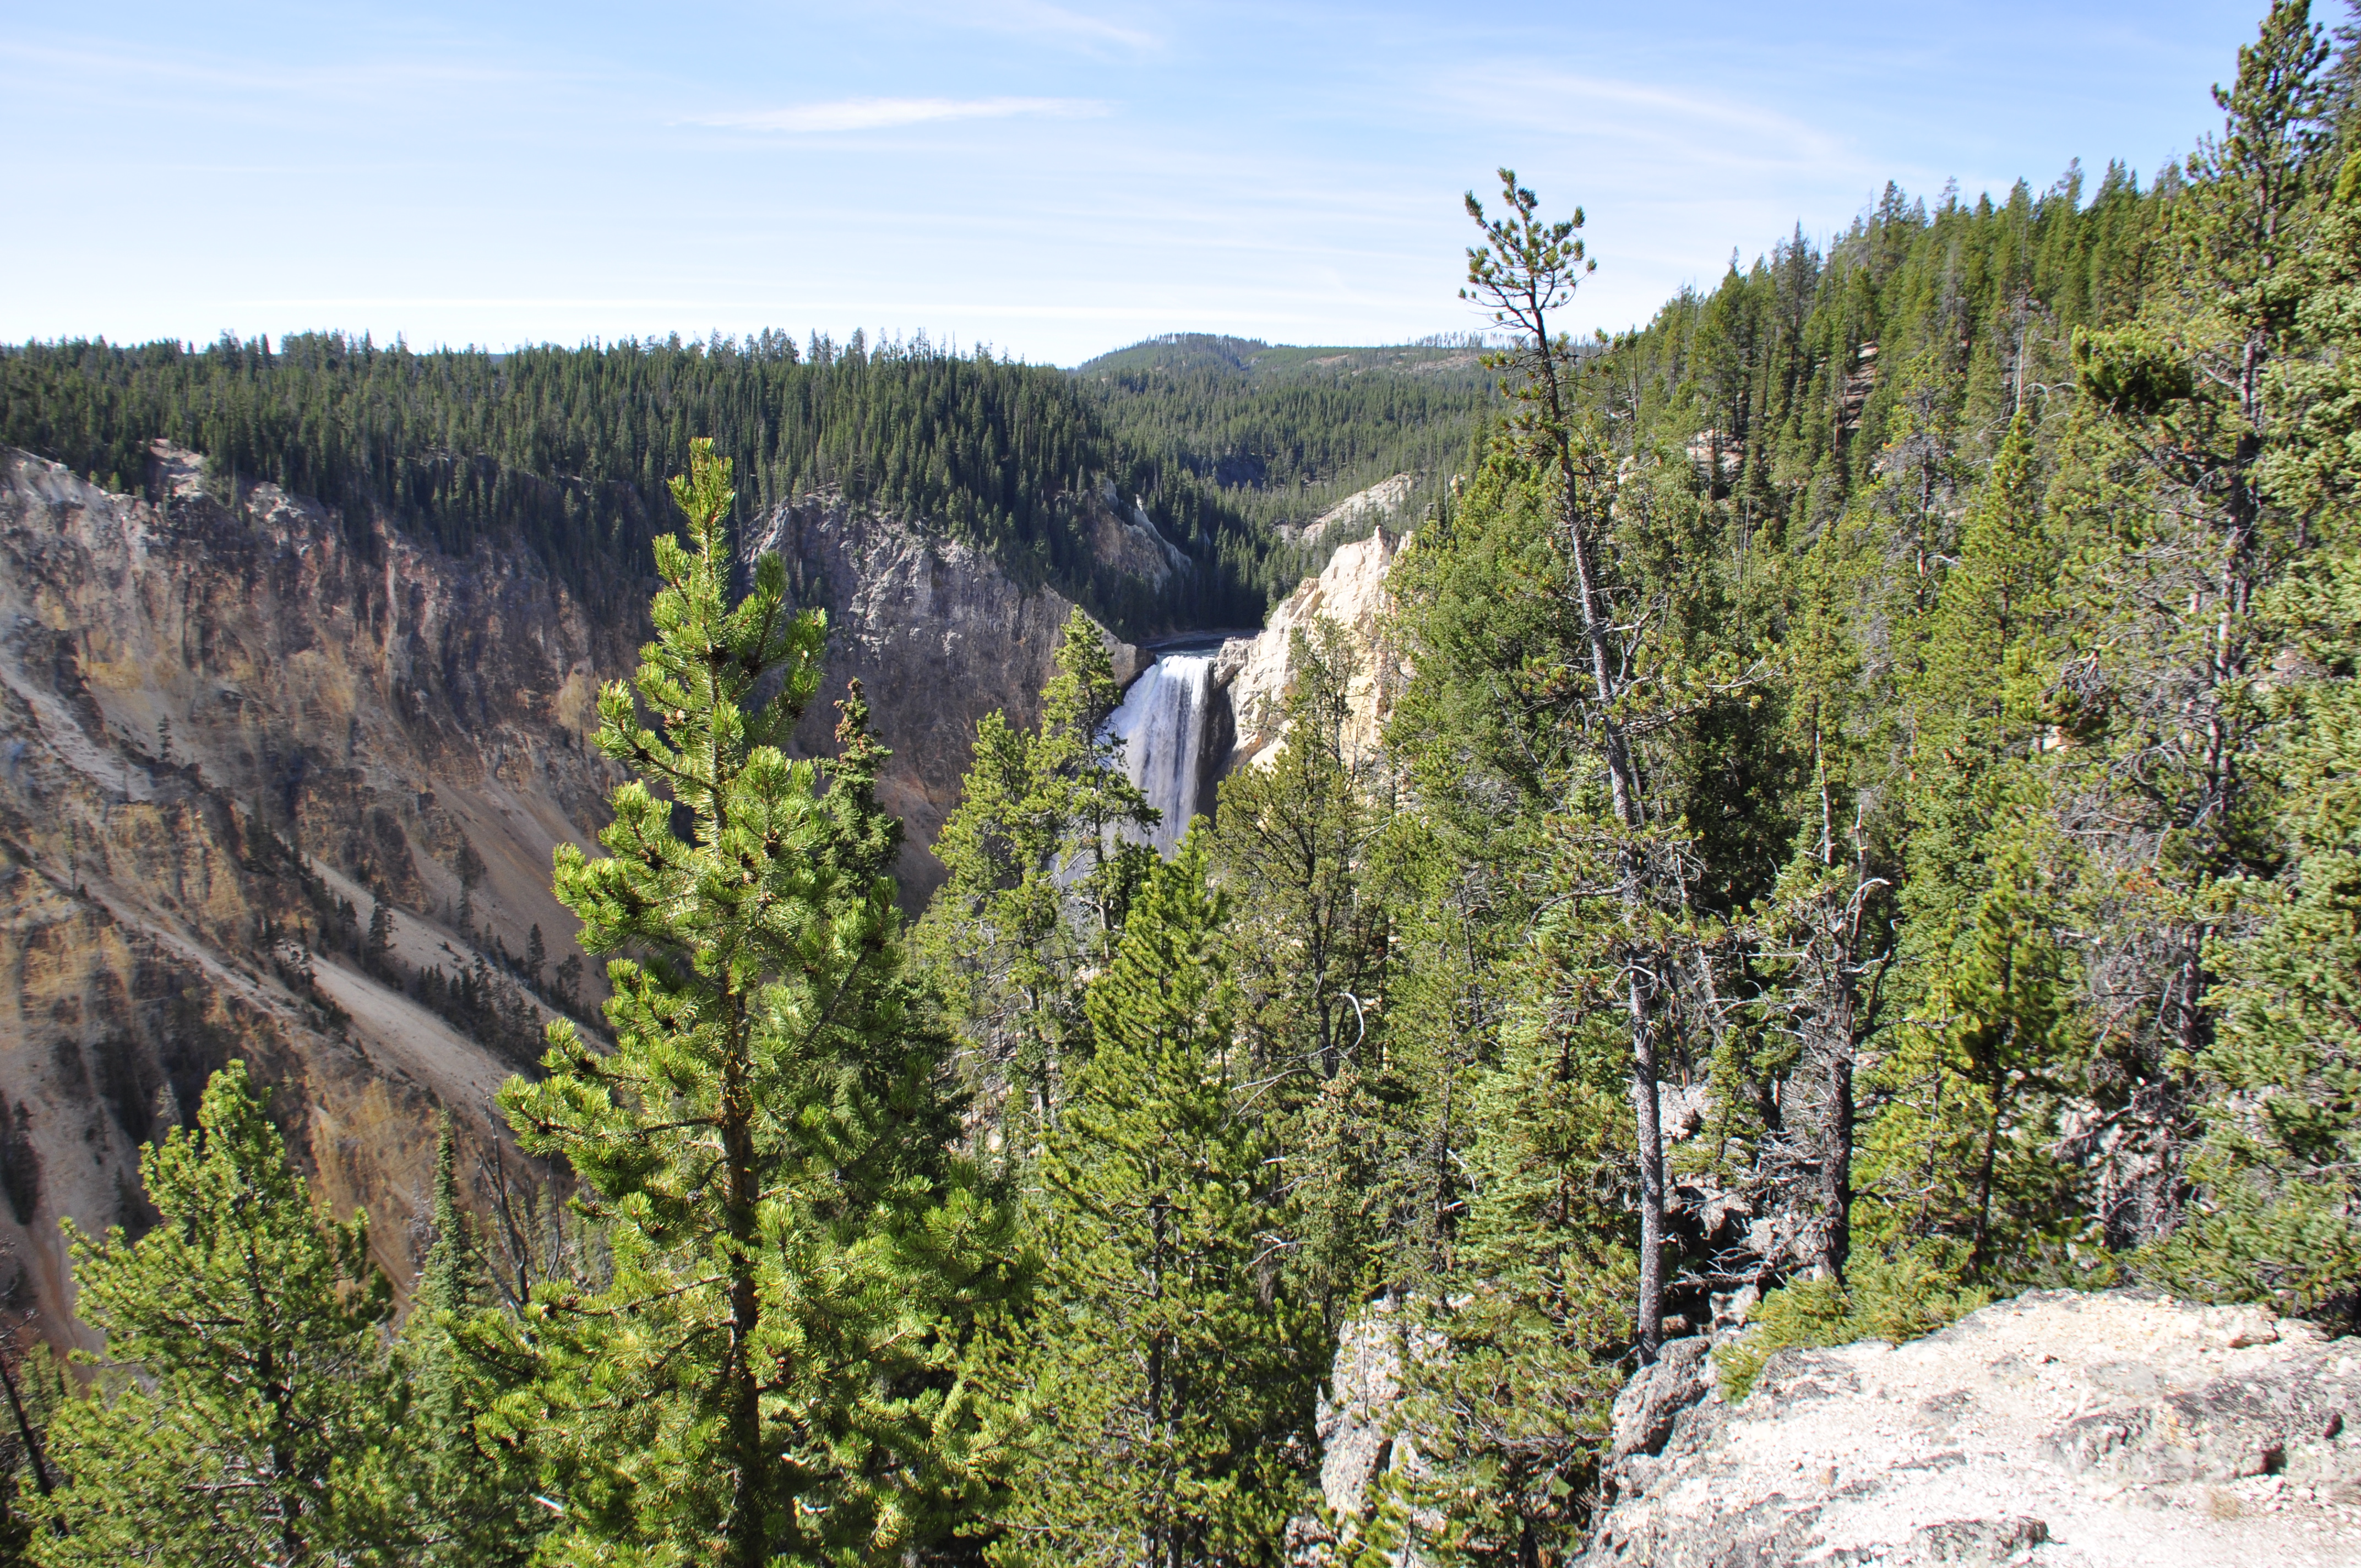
[1290, 431]
[568, 449]
[1868, 821]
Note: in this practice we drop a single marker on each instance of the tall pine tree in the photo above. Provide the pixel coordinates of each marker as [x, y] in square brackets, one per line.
[1044, 859]
[767, 1377]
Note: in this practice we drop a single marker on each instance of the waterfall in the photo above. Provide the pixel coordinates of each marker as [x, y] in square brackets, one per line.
[1162, 727]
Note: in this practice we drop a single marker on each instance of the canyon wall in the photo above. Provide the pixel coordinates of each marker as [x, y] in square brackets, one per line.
[222, 729]
[1253, 671]
[230, 725]
[937, 636]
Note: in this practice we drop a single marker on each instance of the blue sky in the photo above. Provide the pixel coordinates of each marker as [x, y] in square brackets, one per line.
[1054, 178]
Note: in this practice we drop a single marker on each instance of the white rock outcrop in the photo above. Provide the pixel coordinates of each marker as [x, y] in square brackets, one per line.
[2102, 1430]
[1254, 670]
[1382, 500]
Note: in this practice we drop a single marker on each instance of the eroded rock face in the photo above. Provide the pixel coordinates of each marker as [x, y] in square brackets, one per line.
[1253, 671]
[2106, 1429]
[212, 720]
[216, 718]
[937, 636]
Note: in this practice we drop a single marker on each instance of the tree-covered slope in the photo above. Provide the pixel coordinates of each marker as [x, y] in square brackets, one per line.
[568, 448]
[1903, 348]
[1287, 433]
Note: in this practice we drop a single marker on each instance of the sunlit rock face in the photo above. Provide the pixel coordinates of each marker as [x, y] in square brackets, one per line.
[1253, 672]
[223, 720]
[2117, 1427]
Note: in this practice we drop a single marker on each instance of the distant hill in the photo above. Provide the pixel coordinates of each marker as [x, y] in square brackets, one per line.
[1451, 359]
[1287, 434]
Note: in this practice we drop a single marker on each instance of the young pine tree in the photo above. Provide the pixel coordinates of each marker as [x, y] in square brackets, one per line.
[767, 1379]
[1961, 1153]
[2279, 1214]
[470, 1499]
[254, 1428]
[1511, 1399]
[1164, 1384]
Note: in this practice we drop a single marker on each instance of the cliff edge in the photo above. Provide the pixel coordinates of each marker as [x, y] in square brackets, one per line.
[2056, 1429]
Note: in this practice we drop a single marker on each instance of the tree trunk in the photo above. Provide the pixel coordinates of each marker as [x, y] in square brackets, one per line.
[41, 1479]
[747, 1530]
[1836, 1160]
[1624, 788]
[1651, 1174]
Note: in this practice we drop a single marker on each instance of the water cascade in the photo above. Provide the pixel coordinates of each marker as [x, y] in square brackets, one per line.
[1162, 725]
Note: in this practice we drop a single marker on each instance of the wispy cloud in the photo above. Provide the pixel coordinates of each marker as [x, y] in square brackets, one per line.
[1040, 17]
[1696, 130]
[886, 114]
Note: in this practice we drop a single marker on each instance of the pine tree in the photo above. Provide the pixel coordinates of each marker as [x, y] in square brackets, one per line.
[1966, 1151]
[468, 1498]
[1510, 1387]
[254, 1429]
[1638, 934]
[1163, 1385]
[2278, 1215]
[470, 868]
[766, 1377]
[379, 951]
[1988, 654]
[1962, 1153]
[2173, 612]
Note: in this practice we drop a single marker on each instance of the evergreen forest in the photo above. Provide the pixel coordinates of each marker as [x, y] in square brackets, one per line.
[1867, 823]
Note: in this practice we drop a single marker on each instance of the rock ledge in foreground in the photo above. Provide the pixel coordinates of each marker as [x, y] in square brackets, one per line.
[2056, 1429]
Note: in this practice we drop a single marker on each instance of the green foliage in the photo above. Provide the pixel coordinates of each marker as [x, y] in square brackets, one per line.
[1287, 434]
[1872, 816]
[1896, 1299]
[1311, 939]
[1528, 1331]
[2128, 372]
[1162, 1391]
[2280, 1220]
[37, 1385]
[469, 1497]
[241, 1414]
[768, 1378]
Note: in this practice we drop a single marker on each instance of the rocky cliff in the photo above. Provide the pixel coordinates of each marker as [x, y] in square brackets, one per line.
[937, 636]
[1253, 671]
[2095, 1430]
[230, 725]
[222, 728]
